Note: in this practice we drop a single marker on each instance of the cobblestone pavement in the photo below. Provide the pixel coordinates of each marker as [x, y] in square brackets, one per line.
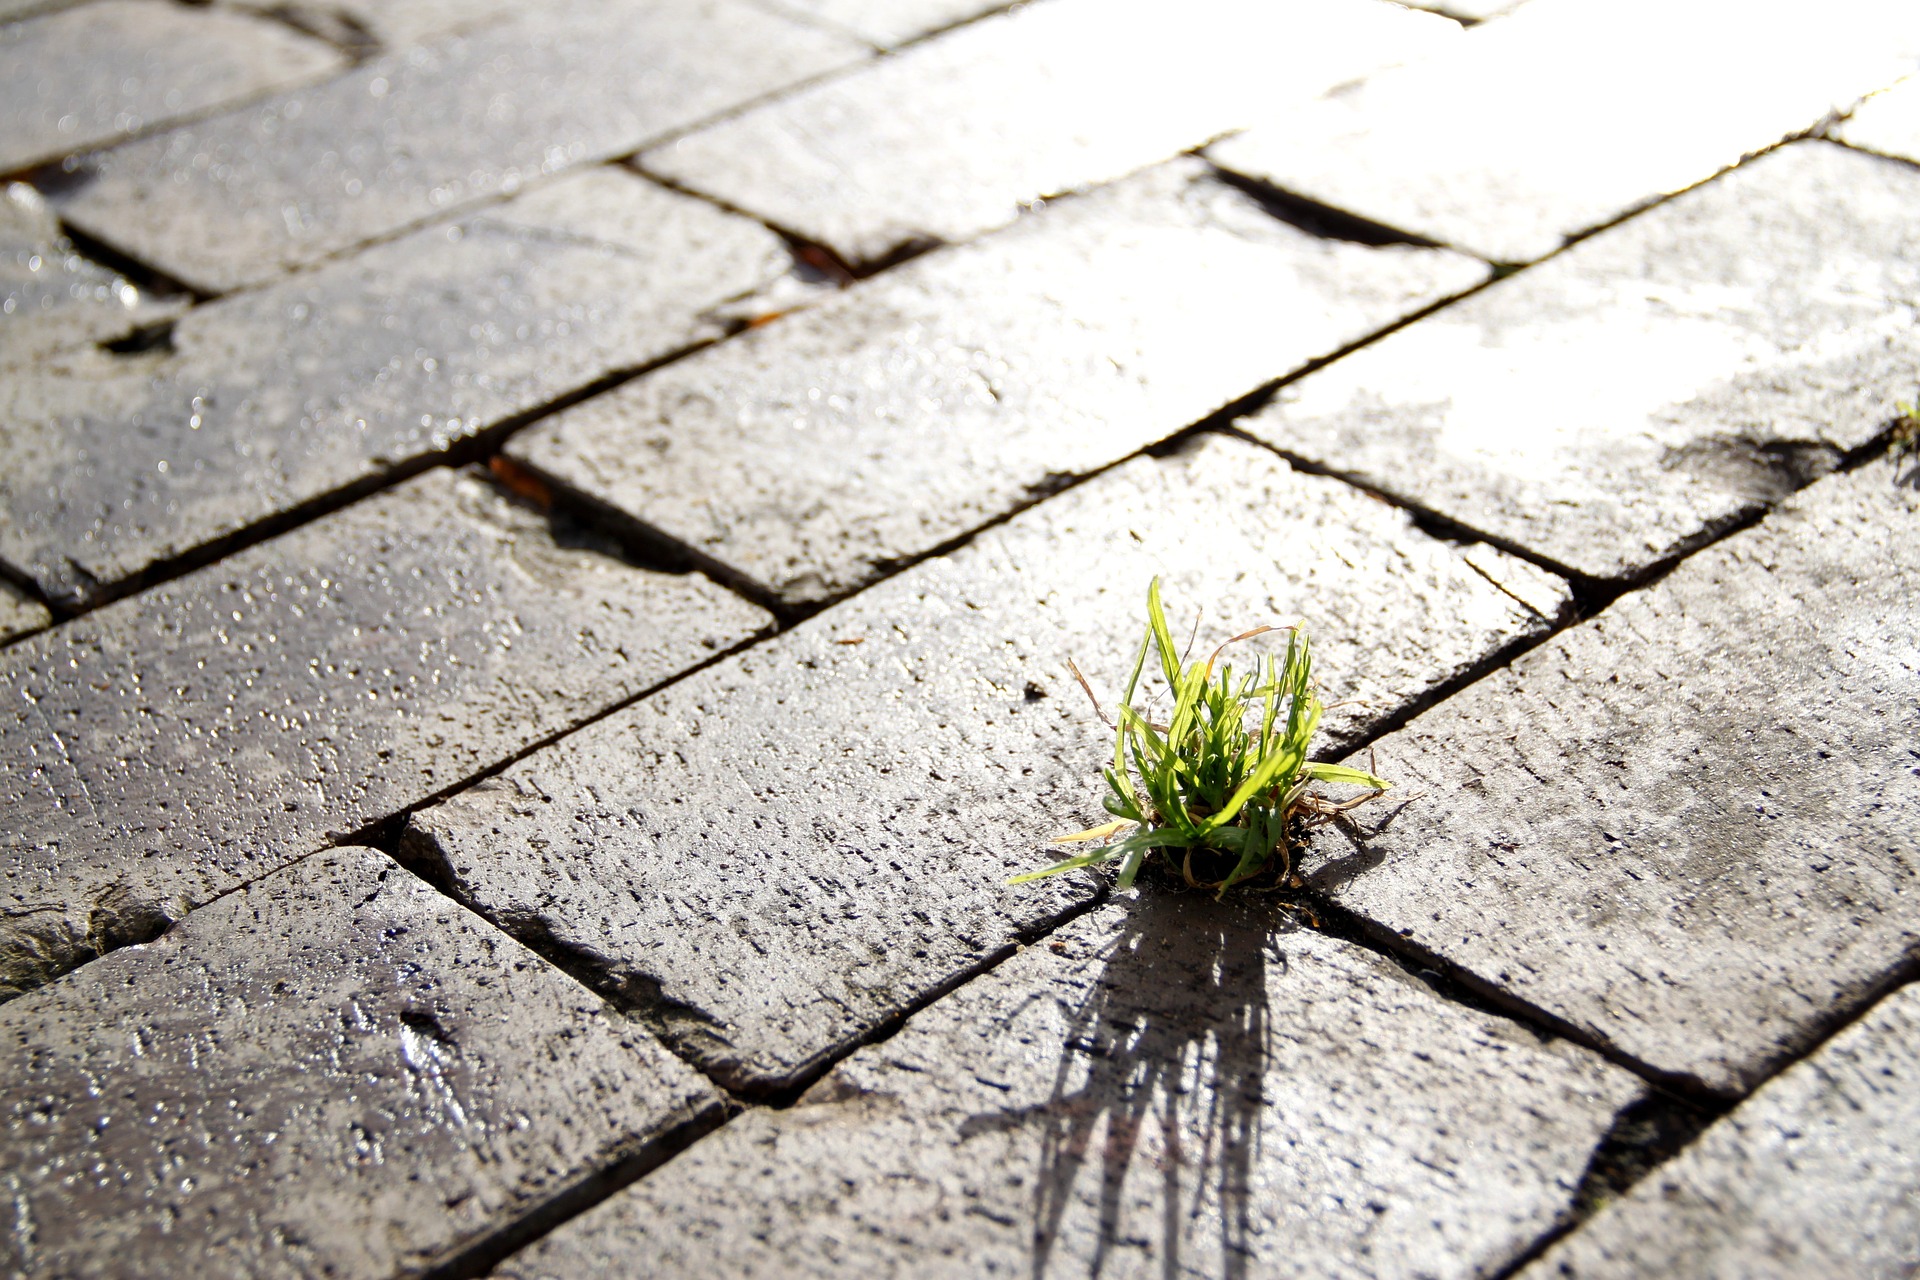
[539, 547]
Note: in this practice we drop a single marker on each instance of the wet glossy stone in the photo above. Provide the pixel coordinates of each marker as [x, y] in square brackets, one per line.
[334, 1071]
[1686, 826]
[1617, 406]
[19, 613]
[960, 134]
[279, 396]
[812, 454]
[53, 300]
[1566, 114]
[91, 75]
[1167, 1086]
[779, 854]
[421, 133]
[1888, 123]
[1813, 1175]
[164, 749]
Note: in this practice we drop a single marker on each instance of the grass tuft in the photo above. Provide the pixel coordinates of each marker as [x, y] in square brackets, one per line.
[1218, 794]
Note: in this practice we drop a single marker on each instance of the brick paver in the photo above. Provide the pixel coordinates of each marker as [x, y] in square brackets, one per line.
[957, 135]
[1618, 405]
[420, 134]
[812, 454]
[1166, 1087]
[1685, 826]
[280, 396]
[1813, 1175]
[332, 1071]
[91, 75]
[1569, 113]
[168, 748]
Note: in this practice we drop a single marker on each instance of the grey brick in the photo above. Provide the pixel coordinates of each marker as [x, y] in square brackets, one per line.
[160, 751]
[1888, 123]
[1619, 404]
[53, 300]
[334, 1071]
[1813, 1175]
[813, 453]
[419, 134]
[92, 75]
[1168, 1087]
[18, 613]
[890, 22]
[1686, 826]
[1567, 114]
[958, 135]
[282, 395]
[784, 851]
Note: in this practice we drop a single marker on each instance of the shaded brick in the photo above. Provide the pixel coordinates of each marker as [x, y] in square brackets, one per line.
[419, 134]
[1566, 114]
[334, 1071]
[783, 852]
[960, 134]
[163, 750]
[1685, 827]
[276, 397]
[86, 76]
[1624, 402]
[810, 455]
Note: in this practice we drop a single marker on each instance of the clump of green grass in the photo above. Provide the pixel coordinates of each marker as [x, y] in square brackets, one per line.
[1217, 794]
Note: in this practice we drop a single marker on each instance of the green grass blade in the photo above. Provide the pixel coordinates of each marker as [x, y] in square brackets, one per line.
[1340, 773]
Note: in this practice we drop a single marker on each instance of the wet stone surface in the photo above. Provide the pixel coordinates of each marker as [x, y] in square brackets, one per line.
[169, 747]
[958, 135]
[19, 613]
[1888, 123]
[1167, 1086]
[53, 300]
[1496, 146]
[1813, 1175]
[810, 455]
[91, 75]
[1616, 406]
[334, 1071]
[279, 396]
[1686, 825]
[419, 134]
[779, 854]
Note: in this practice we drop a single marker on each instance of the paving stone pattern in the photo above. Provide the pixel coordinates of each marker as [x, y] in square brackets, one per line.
[386, 24]
[280, 396]
[420, 134]
[1495, 146]
[1168, 1086]
[80, 78]
[851, 797]
[1813, 1175]
[19, 613]
[811, 455]
[1614, 407]
[1049, 98]
[1692, 843]
[888, 23]
[1888, 123]
[334, 1071]
[161, 751]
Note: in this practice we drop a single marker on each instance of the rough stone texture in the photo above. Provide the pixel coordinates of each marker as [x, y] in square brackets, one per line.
[1887, 122]
[811, 454]
[960, 134]
[419, 134]
[279, 396]
[778, 854]
[1168, 1087]
[93, 74]
[1569, 113]
[14, 10]
[51, 298]
[1685, 826]
[18, 613]
[335, 1071]
[164, 749]
[887, 23]
[1814, 1175]
[385, 24]
[1616, 406]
